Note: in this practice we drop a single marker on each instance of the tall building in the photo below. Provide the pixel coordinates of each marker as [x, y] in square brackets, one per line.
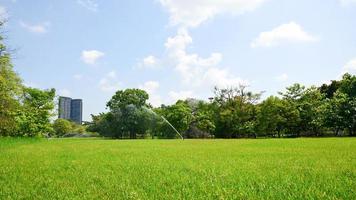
[70, 109]
[64, 107]
[76, 110]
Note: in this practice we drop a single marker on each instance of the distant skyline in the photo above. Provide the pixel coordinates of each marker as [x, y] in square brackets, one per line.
[175, 49]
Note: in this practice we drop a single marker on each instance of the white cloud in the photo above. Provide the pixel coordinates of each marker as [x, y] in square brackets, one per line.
[109, 83]
[3, 13]
[283, 77]
[194, 70]
[91, 56]
[78, 76]
[36, 28]
[350, 67]
[149, 62]
[151, 88]
[222, 78]
[191, 13]
[180, 95]
[64, 92]
[347, 2]
[112, 74]
[285, 33]
[88, 4]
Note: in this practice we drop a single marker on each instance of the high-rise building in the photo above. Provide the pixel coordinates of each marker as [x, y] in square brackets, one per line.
[64, 107]
[76, 110]
[70, 109]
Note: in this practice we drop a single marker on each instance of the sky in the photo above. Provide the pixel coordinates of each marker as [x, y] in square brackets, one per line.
[175, 49]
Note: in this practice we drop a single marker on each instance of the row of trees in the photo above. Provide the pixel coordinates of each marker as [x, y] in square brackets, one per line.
[236, 113]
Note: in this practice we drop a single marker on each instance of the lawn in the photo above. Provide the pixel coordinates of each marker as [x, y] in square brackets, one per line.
[323, 168]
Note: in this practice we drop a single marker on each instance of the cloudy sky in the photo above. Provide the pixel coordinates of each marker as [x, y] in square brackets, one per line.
[178, 48]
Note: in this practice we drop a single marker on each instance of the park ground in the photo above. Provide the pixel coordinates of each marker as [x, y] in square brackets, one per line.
[305, 168]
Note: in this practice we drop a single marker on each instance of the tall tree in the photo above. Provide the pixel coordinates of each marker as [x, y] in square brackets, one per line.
[270, 117]
[123, 98]
[292, 96]
[10, 89]
[311, 108]
[340, 109]
[236, 112]
[127, 113]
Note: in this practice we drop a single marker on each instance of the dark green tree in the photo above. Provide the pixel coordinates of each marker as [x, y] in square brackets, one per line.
[270, 117]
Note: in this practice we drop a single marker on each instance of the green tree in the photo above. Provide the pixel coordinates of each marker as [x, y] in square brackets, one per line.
[123, 98]
[10, 89]
[36, 109]
[292, 96]
[340, 109]
[204, 118]
[329, 90]
[202, 124]
[236, 112]
[106, 125]
[311, 109]
[270, 117]
[179, 115]
[62, 126]
[127, 116]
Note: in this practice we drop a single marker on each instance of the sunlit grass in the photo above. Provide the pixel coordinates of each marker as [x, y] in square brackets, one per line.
[323, 168]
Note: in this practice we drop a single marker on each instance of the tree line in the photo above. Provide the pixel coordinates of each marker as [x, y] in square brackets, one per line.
[329, 110]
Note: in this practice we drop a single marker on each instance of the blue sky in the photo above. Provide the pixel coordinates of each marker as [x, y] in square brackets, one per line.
[176, 49]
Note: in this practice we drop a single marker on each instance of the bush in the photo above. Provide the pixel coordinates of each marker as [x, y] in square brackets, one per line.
[62, 126]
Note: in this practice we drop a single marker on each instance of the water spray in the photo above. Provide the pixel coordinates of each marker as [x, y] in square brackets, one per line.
[172, 127]
[165, 120]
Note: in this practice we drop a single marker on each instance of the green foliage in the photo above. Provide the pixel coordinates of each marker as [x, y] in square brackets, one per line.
[128, 115]
[329, 90]
[62, 126]
[10, 89]
[123, 98]
[311, 108]
[270, 117]
[179, 115]
[173, 169]
[36, 109]
[236, 112]
[105, 125]
[340, 110]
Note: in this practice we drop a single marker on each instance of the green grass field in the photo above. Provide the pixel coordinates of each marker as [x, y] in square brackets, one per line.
[174, 169]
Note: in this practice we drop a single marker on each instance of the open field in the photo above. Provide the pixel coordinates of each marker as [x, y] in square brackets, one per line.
[323, 168]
